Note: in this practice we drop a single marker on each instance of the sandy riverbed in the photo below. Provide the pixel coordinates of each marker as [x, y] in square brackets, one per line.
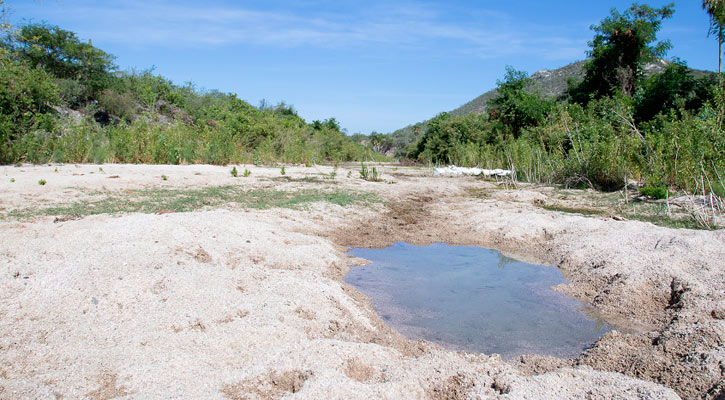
[232, 302]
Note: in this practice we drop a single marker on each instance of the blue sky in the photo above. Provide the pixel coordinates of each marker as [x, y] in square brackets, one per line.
[372, 65]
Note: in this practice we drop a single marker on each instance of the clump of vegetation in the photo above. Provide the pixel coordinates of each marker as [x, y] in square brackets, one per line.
[164, 177]
[282, 171]
[656, 192]
[137, 116]
[369, 174]
[42, 182]
[234, 171]
[612, 126]
[12, 180]
[246, 173]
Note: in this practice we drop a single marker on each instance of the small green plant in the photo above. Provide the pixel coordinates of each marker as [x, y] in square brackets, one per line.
[164, 178]
[282, 171]
[18, 164]
[349, 174]
[12, 180]
[657, 192]
[42, 182]
[308, 164]
[333, 174]
[234, 172]
[369, 174]
[56, 169]
[247, 172]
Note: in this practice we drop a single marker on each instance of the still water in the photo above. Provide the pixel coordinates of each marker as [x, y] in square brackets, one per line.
[475, 299]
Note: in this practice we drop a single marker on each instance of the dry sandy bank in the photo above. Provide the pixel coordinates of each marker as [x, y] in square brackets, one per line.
[232, 302]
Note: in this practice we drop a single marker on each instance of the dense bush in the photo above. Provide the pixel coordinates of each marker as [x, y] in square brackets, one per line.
[139, 117]
[666, 131]
[599, 145]
[26, 97]
[123, 105]
[61, 54]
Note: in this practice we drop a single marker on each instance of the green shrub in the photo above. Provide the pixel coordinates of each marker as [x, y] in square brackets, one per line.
[234, 171]
[42, 182]
[657, 192]
[369, 174]
[72, 92]
[26, 97]
[122, 105]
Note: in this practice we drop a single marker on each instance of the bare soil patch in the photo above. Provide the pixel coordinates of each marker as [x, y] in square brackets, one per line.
[230, 300]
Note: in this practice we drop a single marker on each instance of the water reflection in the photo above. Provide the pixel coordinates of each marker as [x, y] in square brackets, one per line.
[475, 299]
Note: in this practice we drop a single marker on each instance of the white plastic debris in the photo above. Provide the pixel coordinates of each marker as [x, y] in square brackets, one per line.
[452, 170]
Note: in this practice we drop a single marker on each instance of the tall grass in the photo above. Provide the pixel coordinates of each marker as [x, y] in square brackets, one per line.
[145, 141]
[599, 146]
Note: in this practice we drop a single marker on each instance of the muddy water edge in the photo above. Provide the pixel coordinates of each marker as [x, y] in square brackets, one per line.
[676, 340]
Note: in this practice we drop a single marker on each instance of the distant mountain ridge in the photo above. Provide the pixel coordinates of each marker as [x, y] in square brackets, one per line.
[548, 83]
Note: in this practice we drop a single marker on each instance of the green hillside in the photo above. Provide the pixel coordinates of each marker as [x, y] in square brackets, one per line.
[64, 100]
[546, 83]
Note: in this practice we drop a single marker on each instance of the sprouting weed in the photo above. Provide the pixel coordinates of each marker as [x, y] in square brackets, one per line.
[369, 174]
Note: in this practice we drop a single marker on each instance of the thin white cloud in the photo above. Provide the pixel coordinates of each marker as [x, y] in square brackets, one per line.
[162, 23]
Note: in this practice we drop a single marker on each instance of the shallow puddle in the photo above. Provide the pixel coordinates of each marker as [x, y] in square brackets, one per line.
[475, 299]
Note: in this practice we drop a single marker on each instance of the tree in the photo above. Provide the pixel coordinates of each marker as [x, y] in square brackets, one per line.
[61, 54]
[716, 9]
[515, 107]
[623, 44]
[5, 29]
[380, 142]
[26, 97]
[674, 89]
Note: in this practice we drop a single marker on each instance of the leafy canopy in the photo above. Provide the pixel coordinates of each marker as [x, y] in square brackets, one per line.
[716, 10]
[515, 107]
[623, 44]
[675, 89]
[63, 55]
